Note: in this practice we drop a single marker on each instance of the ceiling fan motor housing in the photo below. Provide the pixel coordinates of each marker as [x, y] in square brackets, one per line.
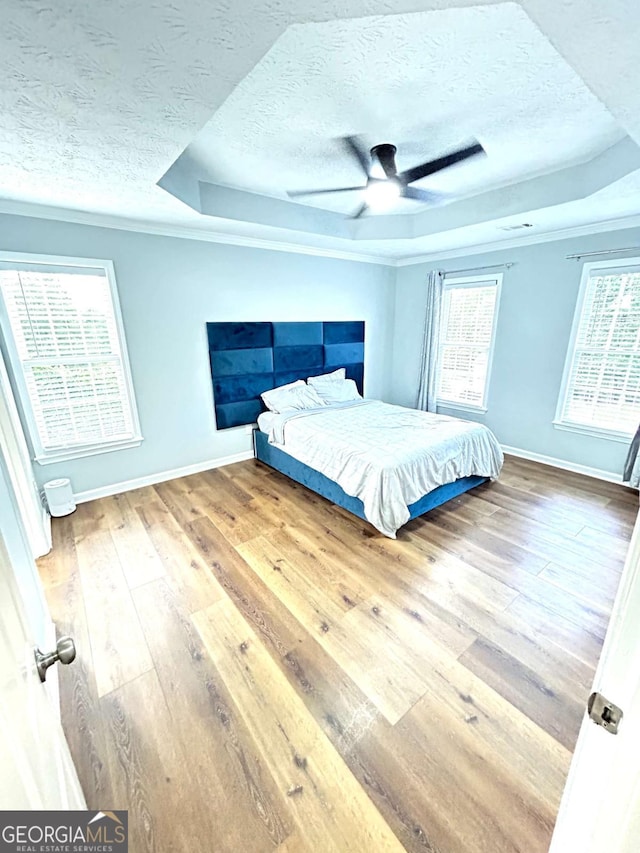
[385, 153]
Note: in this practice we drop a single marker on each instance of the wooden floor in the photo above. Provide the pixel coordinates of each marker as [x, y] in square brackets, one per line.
[259, 670]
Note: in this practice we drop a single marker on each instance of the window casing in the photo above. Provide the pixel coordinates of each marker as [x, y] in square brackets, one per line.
[467, 337]
[600, 392]
[65, 343]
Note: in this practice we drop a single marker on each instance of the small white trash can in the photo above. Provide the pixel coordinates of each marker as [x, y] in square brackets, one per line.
[59, 497]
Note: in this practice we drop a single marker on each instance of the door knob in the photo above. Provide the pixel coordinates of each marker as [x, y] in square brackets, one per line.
[65, 653]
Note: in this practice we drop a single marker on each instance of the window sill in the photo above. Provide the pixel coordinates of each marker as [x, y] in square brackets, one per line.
[595, 432]
[463, 407]
[87, 450]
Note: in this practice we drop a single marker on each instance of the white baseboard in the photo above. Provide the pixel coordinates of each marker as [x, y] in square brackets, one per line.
[597, 473]
[160, 477]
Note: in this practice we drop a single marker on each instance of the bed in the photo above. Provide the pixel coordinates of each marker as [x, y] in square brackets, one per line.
[386, 464]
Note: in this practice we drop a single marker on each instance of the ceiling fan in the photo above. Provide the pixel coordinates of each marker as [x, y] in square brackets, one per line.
[380, 193]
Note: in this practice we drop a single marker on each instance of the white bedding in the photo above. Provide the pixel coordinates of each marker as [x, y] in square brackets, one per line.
[265, 421]
[387, 456]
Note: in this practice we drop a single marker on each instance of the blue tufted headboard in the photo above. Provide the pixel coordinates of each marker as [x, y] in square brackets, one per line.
[249, 358]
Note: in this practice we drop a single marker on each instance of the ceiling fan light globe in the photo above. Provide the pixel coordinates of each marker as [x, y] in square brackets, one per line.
[381, 195]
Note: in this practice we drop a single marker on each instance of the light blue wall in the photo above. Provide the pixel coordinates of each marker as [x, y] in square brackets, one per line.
[168, 289]
[534, 323]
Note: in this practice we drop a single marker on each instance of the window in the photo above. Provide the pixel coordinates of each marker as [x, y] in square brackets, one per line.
[600, 392]
[466, 341]
[65, 343]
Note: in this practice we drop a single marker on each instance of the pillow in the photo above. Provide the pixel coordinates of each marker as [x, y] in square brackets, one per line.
[340, 391]
[295, 396]
[272, 397]
[300, 398]
[336, 376]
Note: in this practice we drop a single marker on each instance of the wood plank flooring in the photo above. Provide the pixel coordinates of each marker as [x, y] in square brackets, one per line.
[258, 670]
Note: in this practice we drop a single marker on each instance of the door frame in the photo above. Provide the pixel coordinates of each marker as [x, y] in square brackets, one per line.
[17, 458]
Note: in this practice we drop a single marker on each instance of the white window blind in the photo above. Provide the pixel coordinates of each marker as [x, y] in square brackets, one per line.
[68, 357]
[466, 341]
[602, 378]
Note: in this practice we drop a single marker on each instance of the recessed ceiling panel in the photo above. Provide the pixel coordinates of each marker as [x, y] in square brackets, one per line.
[426, 81]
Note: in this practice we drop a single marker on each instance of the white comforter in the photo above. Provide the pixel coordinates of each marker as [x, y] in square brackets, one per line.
[387, 456]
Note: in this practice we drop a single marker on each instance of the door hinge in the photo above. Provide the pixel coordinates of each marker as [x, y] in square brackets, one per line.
[604, 713]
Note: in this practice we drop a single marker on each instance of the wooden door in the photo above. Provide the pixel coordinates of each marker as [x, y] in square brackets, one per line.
[36, 771]
[600, 808]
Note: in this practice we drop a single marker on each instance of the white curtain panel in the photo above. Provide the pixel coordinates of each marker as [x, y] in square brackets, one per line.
[430, 341]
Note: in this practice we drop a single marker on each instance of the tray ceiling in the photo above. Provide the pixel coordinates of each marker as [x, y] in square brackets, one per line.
[97, 101]
[428, 82]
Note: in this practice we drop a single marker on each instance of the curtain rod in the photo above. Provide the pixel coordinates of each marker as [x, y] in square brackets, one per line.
[603, 252]
[477, 269]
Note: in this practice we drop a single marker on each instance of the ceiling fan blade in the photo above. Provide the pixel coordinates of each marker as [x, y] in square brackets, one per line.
[362, 209]
[433, 166]
[294, 193]
[417, 194]
[353, 147]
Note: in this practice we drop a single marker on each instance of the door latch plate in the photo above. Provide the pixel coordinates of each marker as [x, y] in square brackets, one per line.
[604, 713]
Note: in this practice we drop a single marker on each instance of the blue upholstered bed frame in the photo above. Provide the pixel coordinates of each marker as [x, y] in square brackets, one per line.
[249, 358]
[330, 490]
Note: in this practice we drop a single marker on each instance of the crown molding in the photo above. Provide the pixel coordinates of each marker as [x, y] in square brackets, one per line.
[101, 220]
[525, 240]
[140, 226]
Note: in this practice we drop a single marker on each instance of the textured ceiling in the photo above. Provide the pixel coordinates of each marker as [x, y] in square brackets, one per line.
[428, 81]
[97, 100]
